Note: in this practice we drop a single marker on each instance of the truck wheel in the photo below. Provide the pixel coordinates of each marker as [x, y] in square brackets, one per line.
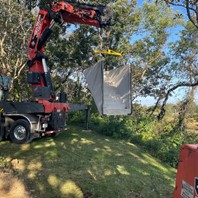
[20, 132]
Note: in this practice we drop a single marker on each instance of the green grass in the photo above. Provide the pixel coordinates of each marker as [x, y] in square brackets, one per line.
[80, 164]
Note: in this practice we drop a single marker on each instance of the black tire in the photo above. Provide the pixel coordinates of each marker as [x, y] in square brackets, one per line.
[20, 132]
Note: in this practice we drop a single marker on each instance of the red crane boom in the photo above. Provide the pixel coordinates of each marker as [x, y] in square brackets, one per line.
[57, 12]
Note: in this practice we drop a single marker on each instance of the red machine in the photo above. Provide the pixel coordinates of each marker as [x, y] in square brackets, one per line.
[187, 172]
[24, 121]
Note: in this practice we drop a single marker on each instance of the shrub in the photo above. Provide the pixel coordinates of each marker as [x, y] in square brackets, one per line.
[162, 139]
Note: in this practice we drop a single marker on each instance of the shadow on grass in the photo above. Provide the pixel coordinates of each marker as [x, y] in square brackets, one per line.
[79, 164]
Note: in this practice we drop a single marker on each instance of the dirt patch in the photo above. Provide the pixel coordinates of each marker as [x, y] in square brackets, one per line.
[12, 187]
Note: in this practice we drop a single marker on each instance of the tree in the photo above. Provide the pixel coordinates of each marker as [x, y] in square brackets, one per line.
[73, 50]
[191, 7]
[150, 62]
[151, 73]
[15, 25]
[184, 64]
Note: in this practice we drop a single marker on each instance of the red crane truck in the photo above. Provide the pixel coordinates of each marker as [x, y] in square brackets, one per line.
[24, 121]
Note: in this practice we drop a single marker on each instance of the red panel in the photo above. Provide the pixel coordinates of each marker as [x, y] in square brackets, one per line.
[54, 106]
[187, 172]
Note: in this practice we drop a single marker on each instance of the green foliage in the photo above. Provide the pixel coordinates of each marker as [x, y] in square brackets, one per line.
[2, 160]
[71, 51]
[77, 118]
[161, 139]
[113, 126]
[15, 24]
[151, 62]
[185, 53]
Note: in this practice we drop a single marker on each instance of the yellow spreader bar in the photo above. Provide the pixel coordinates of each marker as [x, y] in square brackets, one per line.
[109, 52]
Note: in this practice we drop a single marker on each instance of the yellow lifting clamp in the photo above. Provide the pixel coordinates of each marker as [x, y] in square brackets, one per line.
[109, 52]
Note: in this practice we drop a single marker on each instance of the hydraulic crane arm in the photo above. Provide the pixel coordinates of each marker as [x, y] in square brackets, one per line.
[63, 12]
[58, 12]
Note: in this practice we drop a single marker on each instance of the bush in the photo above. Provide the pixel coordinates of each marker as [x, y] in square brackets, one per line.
[163, 145]
[77, 118]
[161, 139]
[114, 126]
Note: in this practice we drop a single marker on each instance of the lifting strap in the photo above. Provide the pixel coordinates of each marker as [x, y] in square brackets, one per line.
[105, 34]
[109, 52]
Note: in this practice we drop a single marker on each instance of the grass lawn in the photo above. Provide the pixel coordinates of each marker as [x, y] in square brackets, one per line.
[81, 164]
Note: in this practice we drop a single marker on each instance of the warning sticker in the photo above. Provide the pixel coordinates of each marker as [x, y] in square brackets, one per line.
[187, 190]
